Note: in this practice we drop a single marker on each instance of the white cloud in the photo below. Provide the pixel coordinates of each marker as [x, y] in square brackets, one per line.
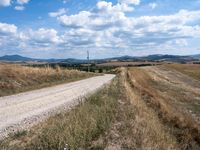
[109, 7]
[57, 13]
[134, 2]
[105, 16]
[15, 40]
[44, 36]
[21, 2]
[153, 5]
[108, 29]
[75, 21]
[5, 3]
[19, 8]
[6, 29]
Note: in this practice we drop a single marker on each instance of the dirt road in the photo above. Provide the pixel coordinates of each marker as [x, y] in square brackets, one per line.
[18, 112]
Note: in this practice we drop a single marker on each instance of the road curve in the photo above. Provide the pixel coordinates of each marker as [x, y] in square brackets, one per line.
[20, 111]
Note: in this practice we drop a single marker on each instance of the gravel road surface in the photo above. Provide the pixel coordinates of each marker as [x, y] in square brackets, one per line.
[21, 111]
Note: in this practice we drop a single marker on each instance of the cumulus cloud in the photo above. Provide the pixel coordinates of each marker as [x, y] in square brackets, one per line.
[19, 8]
[134, 2]
[44, 36]
[57, 13]
[5, 3]
[108, 29]
[21, 2]
[109, 7]
[6, 29]
[105, 15]
[15, 39]
[20, 5]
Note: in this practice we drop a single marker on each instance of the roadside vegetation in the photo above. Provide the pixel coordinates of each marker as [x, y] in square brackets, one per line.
[147, 128]
[143, 108]
[78, 128]
[175, 106]
[16, 78]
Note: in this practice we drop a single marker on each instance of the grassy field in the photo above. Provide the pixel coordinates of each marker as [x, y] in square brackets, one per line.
[121, 64]
[150, 108]
[175, 102]
[188, 69]
[109, 119]
[16, 78]
[149, 131]
[78, 128]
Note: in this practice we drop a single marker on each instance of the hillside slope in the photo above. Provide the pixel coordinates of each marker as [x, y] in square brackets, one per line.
[16, 78]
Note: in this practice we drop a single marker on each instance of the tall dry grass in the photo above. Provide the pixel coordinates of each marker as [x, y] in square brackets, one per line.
[147, 129]
[192, 70]
[128, 114]
[16, 78]
[182, 125]
[78, 127]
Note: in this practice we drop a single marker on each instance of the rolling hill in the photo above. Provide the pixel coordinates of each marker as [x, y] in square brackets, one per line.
[156, 57]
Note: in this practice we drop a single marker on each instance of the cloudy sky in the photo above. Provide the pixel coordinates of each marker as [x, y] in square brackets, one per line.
[68, 28]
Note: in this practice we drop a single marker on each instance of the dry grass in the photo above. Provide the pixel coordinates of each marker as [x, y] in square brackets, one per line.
[192, 70]
[128, 63]
[78, 127]
[148, 130]
[15, 78]
[181, 124]
[131, 113]
[106, 120]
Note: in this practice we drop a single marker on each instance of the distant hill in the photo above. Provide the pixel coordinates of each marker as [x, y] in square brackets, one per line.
[196, 56]
[18, 58]
[14, 58]
[159, 57]
[156, 57]
[74, 61]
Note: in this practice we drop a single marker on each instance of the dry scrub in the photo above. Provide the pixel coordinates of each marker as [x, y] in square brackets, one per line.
[77, 128]
[188, 69]
[148, 130]
[131, 113]
[15, 78]
[176, 120]
[106, 120]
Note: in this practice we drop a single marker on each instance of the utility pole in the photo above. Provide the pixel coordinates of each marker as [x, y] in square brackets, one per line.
[88, 58]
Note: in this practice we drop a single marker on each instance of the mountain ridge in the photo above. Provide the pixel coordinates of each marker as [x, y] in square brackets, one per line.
[155, 57]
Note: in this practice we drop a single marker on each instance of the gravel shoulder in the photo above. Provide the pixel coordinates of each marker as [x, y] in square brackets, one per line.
[21, 111]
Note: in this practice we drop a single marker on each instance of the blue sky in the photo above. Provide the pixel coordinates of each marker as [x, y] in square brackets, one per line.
[68, 28]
